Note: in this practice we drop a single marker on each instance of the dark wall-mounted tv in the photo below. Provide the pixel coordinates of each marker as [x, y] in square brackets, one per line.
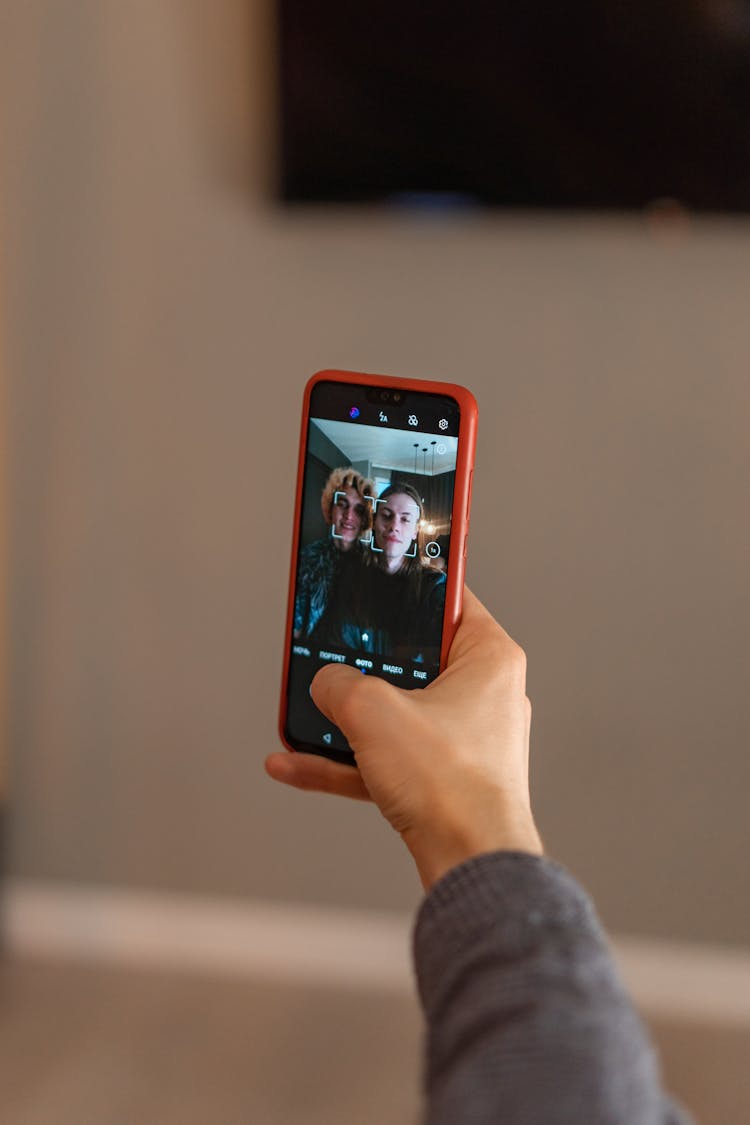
[534, 104]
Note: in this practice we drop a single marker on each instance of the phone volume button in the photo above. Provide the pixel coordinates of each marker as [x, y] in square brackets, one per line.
[468, 496]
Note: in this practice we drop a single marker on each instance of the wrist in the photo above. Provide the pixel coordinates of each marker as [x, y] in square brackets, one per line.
[437, 851]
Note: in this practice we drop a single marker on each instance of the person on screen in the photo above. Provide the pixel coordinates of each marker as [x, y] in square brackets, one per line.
[393, 606]
[346, 504]
[395, 542]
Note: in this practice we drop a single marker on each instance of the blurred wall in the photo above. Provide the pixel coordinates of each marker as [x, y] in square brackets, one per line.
[161, 319]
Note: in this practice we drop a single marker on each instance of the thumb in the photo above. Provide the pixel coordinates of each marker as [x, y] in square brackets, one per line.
[346, 696]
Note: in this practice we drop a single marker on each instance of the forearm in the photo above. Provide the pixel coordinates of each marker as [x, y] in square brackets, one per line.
[527, 1019]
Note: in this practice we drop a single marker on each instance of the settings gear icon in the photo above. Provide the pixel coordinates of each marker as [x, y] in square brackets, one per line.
[443, 423]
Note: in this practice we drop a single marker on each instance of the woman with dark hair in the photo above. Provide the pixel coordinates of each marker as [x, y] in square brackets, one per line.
[397, 530]
[394, 607]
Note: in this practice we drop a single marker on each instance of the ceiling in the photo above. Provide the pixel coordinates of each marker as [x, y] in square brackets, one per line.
[390, 448]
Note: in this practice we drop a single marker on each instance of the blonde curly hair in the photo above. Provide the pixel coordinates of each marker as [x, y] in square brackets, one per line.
[341, 479]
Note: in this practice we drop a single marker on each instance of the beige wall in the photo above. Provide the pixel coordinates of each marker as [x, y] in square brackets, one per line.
[162, 319]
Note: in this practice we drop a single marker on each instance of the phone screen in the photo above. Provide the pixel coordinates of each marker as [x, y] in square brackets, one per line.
[374, 544]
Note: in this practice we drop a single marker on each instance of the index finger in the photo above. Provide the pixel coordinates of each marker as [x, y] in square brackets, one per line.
[477, 627]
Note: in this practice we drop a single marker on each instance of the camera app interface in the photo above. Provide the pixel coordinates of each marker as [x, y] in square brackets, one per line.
[374, 543]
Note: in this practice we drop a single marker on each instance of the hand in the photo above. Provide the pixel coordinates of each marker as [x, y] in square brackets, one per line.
[447, 765]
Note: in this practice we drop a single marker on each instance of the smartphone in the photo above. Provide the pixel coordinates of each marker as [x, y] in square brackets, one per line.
[379, 543]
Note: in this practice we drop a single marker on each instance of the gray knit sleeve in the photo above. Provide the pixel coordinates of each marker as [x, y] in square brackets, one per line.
[528, 1022]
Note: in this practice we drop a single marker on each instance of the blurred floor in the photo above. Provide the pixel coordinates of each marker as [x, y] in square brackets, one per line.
[97, 1045]
[85, 1045]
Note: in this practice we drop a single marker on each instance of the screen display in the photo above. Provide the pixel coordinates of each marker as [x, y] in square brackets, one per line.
[374, 544]
[447, 106]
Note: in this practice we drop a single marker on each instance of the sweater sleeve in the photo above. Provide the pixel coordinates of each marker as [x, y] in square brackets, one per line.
[528, 1022]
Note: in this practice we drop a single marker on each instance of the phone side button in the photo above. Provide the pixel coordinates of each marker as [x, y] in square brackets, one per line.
[466, 544]
[468, 497]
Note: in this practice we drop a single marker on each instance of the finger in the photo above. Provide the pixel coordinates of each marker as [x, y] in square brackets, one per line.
[309, 771]
[329, 684]
[475, 614]
[344, 695]
[477, 626]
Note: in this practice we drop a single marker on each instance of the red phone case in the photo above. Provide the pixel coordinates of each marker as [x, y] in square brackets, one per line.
[467, 437]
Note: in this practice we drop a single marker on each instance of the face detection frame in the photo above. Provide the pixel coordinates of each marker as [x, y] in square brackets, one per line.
[337, 493]
[369, 540]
